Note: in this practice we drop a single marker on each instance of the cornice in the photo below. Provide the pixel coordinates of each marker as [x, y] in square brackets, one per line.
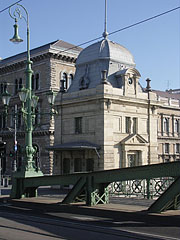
[16, 65]
[8, 134]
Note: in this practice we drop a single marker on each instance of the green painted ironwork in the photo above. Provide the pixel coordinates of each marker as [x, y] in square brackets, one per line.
[169, 199]
[28, 168]
[97, 197]
[95, 184]
[75, 191]
[142, 188]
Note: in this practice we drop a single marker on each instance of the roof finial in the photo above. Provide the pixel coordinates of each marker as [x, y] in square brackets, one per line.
[105, 33]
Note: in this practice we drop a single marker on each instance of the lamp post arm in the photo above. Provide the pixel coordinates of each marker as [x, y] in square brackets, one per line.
[28, 32]
[18, 15]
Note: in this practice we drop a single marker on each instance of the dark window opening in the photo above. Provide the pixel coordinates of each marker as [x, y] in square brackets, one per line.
[77, 165]
[78, 125]
[166, 148]
[66, 165]
[89, 165]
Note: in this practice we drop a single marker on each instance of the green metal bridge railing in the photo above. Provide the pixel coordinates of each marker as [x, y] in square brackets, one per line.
[94, 185]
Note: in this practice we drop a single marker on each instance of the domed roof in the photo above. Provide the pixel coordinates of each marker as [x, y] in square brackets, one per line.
[105, 49]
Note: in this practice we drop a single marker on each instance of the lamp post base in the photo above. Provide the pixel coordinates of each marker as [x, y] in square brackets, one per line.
[18, 189]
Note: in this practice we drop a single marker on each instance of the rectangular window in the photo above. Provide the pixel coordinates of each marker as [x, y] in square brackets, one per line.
[128, 124]
[177, 147]
[166, 125]
[166, 148]
[89, 164]
[176, 126]
[134, 125]
[77, 165]
[78, 125]
[66, 165]
[131, 160]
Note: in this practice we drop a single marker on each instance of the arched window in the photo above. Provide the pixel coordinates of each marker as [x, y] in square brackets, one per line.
[70, 79]
[35, 81]
[176, 126]
[166, 125]
[65, 80]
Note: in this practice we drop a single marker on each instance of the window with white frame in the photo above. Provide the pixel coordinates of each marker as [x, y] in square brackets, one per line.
[176, 126]
[128, 125]
[65, 80]
[166, 125]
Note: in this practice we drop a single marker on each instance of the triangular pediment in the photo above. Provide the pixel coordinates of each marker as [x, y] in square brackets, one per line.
[134, 139]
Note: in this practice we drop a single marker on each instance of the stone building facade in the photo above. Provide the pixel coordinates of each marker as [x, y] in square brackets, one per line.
[168, 125]
[106, 119]
[52, 63]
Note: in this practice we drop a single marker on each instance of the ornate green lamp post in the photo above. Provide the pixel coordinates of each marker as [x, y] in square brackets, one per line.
[29, 101]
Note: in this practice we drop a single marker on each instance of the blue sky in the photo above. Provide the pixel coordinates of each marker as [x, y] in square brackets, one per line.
[155, 45]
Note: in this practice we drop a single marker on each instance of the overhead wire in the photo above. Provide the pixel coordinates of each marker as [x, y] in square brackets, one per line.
[9, 6]
[111, 33]
[122, 29]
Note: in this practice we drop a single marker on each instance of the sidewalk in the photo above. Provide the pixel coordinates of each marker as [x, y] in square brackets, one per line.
[53, 197]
